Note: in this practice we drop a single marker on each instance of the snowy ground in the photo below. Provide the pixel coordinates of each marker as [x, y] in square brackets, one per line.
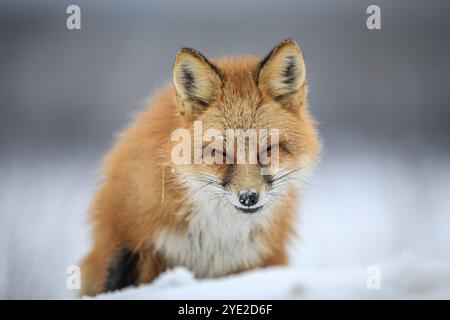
[376, 210]
[405, 277]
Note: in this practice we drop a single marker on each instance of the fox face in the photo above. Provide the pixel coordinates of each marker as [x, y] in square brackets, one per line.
[250, 116]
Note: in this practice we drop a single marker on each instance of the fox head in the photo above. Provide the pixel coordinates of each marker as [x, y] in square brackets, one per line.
[263, 99]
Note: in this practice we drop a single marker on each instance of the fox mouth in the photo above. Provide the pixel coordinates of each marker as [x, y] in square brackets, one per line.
[249, 210]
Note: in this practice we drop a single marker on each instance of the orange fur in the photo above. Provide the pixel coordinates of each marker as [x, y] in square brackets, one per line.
[140, 194]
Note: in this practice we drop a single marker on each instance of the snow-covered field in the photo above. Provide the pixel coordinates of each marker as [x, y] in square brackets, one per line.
[405, 277]
[375, 216]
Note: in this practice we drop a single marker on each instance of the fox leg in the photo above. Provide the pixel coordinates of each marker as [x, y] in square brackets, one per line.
[118, 267]
[123, 270]
[129, 268]
[151, 265]
[109, 269]
[94, 268]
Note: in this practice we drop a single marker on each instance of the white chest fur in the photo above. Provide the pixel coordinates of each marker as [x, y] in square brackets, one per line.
[219, 241]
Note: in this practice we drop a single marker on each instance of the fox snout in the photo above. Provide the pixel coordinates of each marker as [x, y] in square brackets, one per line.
[249, 200]
[247, 186]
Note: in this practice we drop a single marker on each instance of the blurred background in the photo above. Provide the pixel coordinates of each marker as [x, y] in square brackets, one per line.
[382, 99]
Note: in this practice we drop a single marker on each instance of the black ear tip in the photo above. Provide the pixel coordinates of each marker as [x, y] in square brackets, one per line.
[192, 52]
[187, 50]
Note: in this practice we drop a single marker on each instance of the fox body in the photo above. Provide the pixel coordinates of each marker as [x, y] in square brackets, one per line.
[151, 214]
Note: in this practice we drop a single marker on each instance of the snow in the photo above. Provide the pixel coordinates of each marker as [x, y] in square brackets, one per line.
[376, 210]
[406, 277]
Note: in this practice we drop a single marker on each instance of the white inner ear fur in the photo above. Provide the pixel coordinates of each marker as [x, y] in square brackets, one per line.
[194, 79]
[284, 72]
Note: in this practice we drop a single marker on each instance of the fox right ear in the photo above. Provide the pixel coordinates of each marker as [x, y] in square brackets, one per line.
[197, 81]
[281, 74]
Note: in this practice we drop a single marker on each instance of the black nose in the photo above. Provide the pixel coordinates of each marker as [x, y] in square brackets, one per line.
[248, 198]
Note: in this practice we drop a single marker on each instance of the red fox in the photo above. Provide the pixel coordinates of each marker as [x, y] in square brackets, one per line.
[153, 213]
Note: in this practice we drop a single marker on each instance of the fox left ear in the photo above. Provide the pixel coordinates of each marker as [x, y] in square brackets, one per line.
[197, 81]
[281, 75]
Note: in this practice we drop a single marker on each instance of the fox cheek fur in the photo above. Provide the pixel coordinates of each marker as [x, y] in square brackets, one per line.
[150, 214]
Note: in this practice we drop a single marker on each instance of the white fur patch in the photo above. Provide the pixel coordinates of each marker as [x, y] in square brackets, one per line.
[220, 239]
[218, 242]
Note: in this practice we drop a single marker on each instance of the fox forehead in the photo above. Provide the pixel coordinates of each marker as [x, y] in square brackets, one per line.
[239, 75]
[241, 105]
[241, 116]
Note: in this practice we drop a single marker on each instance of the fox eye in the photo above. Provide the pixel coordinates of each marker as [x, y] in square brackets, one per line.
[218, 152]
[267, 152]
